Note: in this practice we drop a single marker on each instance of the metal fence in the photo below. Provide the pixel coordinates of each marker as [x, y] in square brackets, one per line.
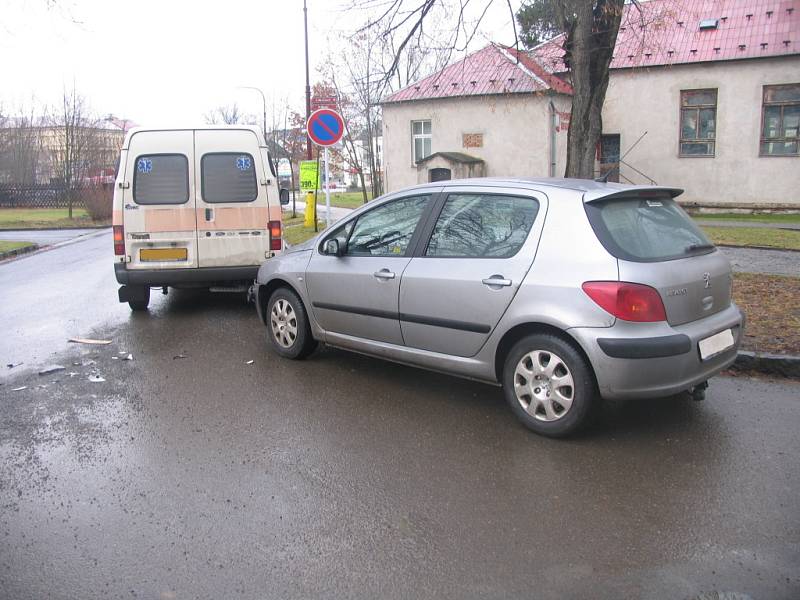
[38, 196]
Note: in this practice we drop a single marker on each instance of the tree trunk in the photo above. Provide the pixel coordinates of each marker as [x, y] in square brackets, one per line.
[591, 35]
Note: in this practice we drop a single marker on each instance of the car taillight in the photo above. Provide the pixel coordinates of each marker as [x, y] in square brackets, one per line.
[119, 240]
[627, 301]
[275, 242]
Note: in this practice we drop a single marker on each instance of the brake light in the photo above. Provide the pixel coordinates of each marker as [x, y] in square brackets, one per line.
[275, 242]
[627, 301]
[119, 240]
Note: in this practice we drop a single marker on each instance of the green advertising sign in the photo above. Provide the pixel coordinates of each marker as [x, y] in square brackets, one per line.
[309, 175]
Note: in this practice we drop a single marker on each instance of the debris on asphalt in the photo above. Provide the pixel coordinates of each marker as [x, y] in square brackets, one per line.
[178, 356]
[96, 379]
[89, 341]
[72, 373]
[20, 388]
[115, 358]
[129, 357]
[51, 369]
[12, 365]
[250, 362]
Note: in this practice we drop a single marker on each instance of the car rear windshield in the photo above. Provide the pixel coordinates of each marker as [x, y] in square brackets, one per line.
[646, 229]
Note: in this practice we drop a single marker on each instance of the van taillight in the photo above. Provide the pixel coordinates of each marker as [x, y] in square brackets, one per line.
[275, 242]
[627, 301]
[119, 240]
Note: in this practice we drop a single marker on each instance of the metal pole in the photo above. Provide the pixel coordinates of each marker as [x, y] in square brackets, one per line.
[263, 106]
[327, 193]
[309, 156]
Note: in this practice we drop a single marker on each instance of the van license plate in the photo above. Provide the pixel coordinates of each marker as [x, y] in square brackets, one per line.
[719, 342]
[162, 254]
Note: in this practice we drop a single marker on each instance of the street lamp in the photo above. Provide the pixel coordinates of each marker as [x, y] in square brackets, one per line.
[263, 104]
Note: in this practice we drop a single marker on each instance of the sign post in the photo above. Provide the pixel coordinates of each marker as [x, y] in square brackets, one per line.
[325, 128]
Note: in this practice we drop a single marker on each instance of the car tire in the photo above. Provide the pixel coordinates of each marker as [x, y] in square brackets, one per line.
[288, 329]
[549, 385]
[142, 303]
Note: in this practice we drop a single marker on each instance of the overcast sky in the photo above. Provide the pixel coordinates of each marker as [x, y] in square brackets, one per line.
[168, 62]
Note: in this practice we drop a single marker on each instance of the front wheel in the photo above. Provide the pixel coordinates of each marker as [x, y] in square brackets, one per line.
[287, 325]
[549, 385]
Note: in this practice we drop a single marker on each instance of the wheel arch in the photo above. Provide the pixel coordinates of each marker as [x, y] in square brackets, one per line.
[265, 290]
[516, 333]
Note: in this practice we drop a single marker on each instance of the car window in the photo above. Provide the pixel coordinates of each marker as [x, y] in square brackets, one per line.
[340, 235]
[228, 177]
[482, 226]
[161, 179]
[646, 229]
[387, 230]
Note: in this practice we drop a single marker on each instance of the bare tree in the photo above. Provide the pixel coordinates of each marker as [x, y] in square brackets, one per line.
[590, 30]
[20, 148]
[76, 143]
[226, 114]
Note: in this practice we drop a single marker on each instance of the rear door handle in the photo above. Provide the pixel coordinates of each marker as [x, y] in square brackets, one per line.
[383, 274]
[496, 281]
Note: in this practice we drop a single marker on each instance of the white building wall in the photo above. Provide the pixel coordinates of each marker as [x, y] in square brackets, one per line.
[515, 128]
[649, 100]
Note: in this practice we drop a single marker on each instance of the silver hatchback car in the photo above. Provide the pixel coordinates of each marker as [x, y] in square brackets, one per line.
[562, 291]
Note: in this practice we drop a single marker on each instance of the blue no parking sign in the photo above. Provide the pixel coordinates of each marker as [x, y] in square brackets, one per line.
[325, 127]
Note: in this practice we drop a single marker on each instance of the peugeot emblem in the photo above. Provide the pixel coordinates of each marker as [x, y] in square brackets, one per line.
[707, 279]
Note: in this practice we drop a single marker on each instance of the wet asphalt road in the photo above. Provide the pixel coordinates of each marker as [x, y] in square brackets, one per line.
[344, 476]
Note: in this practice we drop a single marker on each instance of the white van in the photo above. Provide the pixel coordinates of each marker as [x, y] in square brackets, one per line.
[194, 208]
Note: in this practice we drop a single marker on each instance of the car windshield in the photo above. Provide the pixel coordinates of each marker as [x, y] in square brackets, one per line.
[646, 229]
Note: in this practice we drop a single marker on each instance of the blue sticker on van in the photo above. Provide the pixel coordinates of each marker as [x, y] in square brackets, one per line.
[144, 165]
[243, 163]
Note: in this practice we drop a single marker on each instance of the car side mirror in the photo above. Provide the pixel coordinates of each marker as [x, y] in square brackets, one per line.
[284, 196]
[332, 247]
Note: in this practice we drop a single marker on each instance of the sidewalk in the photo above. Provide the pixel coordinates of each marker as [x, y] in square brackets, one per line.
[44, 237]
[757, 260]
[337, 212]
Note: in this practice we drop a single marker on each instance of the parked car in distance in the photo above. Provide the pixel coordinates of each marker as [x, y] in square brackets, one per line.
[563, 291]
[193, 208]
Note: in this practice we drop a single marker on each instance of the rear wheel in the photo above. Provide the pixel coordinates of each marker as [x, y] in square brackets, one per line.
[287, 325]
[142, 300]
[549, 385]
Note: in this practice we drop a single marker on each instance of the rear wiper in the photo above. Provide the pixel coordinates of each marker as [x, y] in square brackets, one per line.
[693, 247]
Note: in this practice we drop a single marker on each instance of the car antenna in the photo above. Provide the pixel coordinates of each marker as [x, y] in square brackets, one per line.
[604, 178]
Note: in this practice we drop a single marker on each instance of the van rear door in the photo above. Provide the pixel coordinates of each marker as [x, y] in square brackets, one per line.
[158, 202]
[231, 198]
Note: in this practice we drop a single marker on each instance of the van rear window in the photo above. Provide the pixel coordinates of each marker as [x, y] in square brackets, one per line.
[646, 229]
[161, 179]
[228, 177]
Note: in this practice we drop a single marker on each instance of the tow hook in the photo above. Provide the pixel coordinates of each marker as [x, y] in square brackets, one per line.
[699, 391]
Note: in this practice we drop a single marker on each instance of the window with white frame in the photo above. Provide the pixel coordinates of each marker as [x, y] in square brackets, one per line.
[420, 139]
[780, 130]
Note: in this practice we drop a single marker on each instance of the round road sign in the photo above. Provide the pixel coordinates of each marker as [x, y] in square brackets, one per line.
[325, 127]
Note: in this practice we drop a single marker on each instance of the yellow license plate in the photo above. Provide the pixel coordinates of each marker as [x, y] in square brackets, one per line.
[162, 254]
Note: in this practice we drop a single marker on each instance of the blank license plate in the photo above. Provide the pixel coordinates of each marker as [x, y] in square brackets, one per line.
[162, 254]
[719, 342]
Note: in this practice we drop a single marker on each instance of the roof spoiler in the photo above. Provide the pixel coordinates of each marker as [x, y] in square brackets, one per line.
[633, 191]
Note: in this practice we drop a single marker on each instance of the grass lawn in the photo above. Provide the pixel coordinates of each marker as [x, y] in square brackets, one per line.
[295, 232]
[340, 199]
[770, 218]
[7, 246]
[45, 218]
[785, 239]
[772, 306]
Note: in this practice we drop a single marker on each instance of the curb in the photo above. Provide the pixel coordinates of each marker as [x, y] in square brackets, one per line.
[785, 365]
[19, 251]
[757, 248]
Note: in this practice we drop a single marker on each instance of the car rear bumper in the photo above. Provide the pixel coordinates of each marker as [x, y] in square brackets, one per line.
[651, 360]
[172, 277]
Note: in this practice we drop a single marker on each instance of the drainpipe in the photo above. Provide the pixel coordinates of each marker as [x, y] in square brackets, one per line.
[552, 169]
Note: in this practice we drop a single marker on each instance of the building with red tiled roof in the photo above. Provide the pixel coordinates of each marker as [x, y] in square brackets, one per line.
[703, 94]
